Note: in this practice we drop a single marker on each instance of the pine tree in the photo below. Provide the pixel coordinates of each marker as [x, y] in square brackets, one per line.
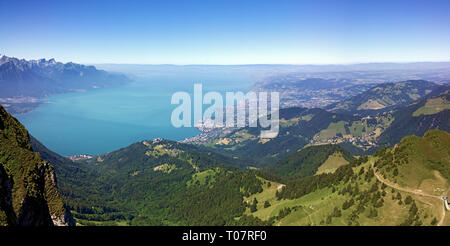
[408, 200]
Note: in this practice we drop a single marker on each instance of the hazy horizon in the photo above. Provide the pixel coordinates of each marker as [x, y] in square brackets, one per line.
[231, 64]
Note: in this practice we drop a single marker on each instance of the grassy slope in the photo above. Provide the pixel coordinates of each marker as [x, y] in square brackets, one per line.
[315, 207]
[420, 163]
[306, 162]
[417, 118]
[155, 183]
[422, 177]
[332, 163]
[385, 96]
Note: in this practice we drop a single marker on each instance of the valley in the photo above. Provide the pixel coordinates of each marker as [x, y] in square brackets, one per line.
[362, 197]
[225, 122]
[24, 82]
[367, 153]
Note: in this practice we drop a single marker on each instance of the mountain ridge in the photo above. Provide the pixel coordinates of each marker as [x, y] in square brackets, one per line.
[28, 184]
[23, 82]
[384, 97]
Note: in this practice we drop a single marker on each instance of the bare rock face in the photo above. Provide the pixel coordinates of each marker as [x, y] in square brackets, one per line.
[28, 187]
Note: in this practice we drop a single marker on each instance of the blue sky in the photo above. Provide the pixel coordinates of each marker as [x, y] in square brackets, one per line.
[227, 31]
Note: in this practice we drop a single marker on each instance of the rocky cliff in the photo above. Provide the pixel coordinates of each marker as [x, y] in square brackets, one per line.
[28, 188]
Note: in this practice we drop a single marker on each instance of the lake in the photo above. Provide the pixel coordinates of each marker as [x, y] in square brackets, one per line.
[102, 120]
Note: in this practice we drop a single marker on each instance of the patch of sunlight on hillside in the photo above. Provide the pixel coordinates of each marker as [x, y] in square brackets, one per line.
[371, 104]
[433, 106]
[332, 163]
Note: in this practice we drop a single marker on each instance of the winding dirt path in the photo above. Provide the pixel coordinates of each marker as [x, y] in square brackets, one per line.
[309, 216]
[408, 190]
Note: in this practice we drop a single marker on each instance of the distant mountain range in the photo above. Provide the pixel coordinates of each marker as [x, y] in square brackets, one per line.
[23, 81]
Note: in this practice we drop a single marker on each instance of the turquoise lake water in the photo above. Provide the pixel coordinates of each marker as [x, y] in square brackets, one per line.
[103, 120]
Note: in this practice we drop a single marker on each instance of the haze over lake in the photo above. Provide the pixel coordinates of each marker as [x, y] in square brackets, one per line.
[103, 120]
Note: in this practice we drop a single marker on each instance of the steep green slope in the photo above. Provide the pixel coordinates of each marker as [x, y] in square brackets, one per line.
[156, 182]
[307, 161]
[7, 215]
[416, 119]
[28, 184]
[419, 163]
[298, 126]
[385, 97]
[398, 186]
[160, 182]
[74, 178]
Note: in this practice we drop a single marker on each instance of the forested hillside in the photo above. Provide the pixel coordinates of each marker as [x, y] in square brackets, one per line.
[29, 196]
[402, 185]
